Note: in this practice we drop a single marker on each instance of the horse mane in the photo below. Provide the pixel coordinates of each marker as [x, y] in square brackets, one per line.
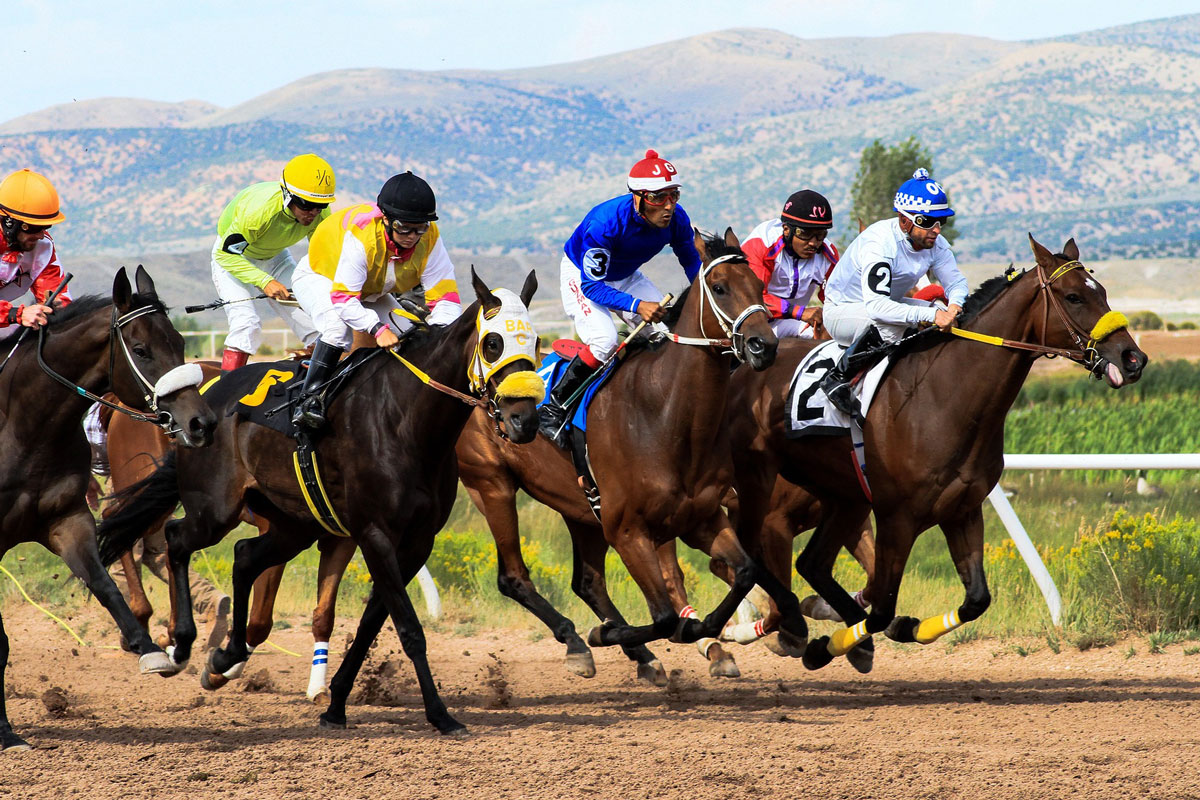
[91, 302]
[716, 247]
[975, 303]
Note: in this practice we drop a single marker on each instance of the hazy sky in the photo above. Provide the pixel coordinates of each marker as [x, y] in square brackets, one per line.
[56, 51]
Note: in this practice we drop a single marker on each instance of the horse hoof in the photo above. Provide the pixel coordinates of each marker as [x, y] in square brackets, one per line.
[815, 607]
[581, 664]
[15, 744]
[902, 629]
[212, 680]
[817, 654]
[332, 725]
[454, 729]
[595, 636]
[233, 673]
[724, 668]
[319, 696]
[771, 642]
[652, 672]
[790, 646]
[862, 658]
[157, 663]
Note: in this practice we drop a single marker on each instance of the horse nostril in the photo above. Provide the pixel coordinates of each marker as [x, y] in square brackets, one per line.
[756, 345]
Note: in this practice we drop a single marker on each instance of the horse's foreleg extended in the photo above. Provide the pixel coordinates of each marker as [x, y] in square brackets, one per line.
[179, 556]
[139, 603]
[964, 537]
[8, 738]
[720, 663]
[373, 616]
[633, 545]
[336, 552]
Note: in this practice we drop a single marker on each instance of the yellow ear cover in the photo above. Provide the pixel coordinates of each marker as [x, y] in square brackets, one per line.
[1109, 324]
[523, 384]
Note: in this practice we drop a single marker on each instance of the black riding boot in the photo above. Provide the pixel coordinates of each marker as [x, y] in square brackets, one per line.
[553, 412]
[310, 410]
[838, 384]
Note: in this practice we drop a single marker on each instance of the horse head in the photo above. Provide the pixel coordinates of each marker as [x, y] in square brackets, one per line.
[504, 361]
[1076, 316]
[152, 375]
[730, 301]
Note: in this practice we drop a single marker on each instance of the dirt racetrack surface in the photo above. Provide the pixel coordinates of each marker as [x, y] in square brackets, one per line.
[975, 721]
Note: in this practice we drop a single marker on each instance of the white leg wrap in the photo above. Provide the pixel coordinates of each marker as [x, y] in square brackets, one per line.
[317, 682]
[704, 645]
[743, 632]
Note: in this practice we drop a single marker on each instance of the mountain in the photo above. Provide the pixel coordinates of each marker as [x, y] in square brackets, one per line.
[1094, 135]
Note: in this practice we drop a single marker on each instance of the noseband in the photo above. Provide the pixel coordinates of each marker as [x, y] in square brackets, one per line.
[735, 339]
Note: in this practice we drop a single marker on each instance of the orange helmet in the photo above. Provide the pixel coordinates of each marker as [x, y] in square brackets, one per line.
[27, 196]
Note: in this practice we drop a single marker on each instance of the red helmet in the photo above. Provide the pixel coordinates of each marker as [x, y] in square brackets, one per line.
[652, 174]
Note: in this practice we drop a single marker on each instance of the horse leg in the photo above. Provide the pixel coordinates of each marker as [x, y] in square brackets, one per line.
[720, 663]
[8, 738]
[131, 571]
[380, 556]
[373, 616]
[73, 539]
[250, 557]
[336, 552]
[589, 583]
[964, 536]
[495, 497]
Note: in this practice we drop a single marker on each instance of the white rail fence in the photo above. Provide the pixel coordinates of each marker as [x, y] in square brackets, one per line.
[1025, 546]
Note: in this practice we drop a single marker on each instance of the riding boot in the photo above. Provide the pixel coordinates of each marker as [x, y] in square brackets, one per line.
[310, 410]
[838, 384]
[553, 413]
[232, 358]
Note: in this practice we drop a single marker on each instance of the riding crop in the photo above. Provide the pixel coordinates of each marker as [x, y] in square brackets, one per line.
[50, 298]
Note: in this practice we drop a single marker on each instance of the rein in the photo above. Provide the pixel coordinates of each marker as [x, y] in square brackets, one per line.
[730, 325]
[1085, 352]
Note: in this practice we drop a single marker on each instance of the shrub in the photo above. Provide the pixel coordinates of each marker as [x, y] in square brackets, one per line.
[1145, 321]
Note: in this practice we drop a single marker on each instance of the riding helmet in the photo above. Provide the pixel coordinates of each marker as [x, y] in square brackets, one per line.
[407, 198]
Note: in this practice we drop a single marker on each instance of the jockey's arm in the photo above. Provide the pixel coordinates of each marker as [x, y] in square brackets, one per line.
[762, 265]
[954, 283]
[441, 296]
[876, 292]
[346, 292]
[48, 281]
[244, 229]
[683, 243]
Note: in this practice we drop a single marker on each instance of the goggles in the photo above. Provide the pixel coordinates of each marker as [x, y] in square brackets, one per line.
[25, 227]
[810, 234]
[659, 198]
[925, 222]
[307, 205]
[403, 229]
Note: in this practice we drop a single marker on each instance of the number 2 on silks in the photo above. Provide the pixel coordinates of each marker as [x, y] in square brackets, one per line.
[818, 367]
[879, 278]
[596, 262]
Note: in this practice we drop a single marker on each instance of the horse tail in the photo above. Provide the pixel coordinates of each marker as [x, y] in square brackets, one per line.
[137, 509]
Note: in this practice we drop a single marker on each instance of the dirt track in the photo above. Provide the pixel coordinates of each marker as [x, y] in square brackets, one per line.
[979, 721]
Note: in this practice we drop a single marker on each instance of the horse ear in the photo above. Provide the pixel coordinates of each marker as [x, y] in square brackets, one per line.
[731, 239]
[122, 292]
[482, 293]
[143, 281]
[1041, 254]
[1071, 250]
[530, 287]
[699, 242]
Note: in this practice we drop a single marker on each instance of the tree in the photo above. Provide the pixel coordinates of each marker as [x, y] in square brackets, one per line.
[881, 170]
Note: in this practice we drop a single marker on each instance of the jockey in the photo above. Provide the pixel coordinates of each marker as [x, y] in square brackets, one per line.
[357, 259]
[600, 269]
[28, 207]
[253, 235]
[792, 258]
[865, 299]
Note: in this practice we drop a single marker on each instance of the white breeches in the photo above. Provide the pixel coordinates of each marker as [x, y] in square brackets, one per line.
[245, 327]
[594, 323]
[846, 323]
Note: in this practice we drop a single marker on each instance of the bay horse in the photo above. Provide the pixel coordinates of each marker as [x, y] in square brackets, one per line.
[384, 423]
[934, 439]
[125, 344]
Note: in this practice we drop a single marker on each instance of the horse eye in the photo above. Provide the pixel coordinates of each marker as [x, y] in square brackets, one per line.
[1074, 298]
[718, 288]
[140, 351]
[493, 346]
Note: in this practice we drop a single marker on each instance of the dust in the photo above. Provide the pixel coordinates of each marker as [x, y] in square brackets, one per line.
[56, 702]
[494, 684]
[261, 682]
[385, 684]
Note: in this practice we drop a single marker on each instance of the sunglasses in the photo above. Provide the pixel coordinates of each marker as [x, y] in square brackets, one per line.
[27, 228]
[660, 198]
[810, 234]
[926, 222]
[402, 230]
[307, 205]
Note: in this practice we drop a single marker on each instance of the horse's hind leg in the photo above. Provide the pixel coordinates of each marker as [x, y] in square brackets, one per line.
[139, 603]
[633, 544]
[964, 537]
[373, 616]
[720, 662]
[589, 583]
[389, 581]
[336, 552]
[73, 538]
[8, 738]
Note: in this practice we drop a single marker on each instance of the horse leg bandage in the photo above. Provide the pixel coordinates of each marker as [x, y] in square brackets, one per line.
[320, 667]
[743, 632]
[935, 627]
[846, 639]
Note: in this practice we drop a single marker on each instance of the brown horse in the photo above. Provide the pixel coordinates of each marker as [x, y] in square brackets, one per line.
[126, 345]
[384, 425]
[960, 387]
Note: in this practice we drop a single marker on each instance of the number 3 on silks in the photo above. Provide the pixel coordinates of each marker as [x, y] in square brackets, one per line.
[879, 278]
[272, 377]
[595, 261]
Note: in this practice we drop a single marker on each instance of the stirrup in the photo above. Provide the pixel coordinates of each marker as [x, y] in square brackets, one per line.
[310, 414]
[552, 422]
[842, 398]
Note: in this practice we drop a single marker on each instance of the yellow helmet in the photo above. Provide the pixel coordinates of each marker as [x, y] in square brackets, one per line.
[27, 196]
[309, 177]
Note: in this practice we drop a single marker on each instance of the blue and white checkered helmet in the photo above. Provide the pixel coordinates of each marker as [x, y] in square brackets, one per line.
[922, 195]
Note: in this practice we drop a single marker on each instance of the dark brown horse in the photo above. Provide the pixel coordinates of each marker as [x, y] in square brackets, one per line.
[126, 345]
[960, 388]
[388, 470]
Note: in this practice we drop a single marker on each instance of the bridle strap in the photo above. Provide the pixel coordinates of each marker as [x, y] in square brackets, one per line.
[729, 325]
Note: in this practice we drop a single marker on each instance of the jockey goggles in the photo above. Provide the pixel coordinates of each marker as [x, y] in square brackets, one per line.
[25, 227]
[925, 222]
[659, 198]
[307, 205]
[403, 229]
[810, 234]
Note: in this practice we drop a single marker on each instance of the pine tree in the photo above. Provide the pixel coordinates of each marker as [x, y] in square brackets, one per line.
[881, 170]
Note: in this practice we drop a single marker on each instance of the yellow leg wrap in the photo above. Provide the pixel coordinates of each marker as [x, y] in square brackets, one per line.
[847, 638]
[935, 627]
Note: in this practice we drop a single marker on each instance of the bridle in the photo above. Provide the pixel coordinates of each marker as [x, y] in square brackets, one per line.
[172, 381]
[1085, 352]
[735, 339]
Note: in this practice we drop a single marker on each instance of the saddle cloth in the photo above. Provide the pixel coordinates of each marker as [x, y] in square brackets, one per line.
[809, 412]
[551, 371]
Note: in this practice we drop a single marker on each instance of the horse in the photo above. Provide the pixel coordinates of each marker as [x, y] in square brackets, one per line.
[125, 344]
[403, 429]
[925, 468]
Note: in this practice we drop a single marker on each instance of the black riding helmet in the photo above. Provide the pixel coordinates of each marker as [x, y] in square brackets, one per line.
[407, 198]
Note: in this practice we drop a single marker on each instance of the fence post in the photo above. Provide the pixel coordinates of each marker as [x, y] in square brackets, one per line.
[1025, 547]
